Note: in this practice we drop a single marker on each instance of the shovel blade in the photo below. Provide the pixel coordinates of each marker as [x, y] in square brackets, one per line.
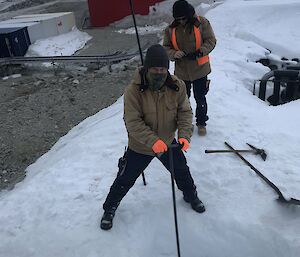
[290, 201]
[261, 152]
[263, 156]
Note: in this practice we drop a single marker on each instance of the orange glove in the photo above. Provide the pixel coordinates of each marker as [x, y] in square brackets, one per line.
[159, 146]
[185, 143]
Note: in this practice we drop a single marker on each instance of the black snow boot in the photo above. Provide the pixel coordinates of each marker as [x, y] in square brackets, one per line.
[196, 204]
[107, 220]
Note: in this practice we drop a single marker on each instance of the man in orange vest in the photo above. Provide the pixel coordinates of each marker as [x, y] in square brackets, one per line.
[188, 41]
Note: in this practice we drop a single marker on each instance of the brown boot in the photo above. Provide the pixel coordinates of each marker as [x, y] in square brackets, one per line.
[201, 130]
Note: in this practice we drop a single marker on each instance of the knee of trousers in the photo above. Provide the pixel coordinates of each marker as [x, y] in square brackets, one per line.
[114, 197]
[201, 100]
[121, 188]
[182, 169]
[184, 178]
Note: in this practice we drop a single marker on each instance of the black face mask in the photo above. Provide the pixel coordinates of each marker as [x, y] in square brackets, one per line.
[156, 80]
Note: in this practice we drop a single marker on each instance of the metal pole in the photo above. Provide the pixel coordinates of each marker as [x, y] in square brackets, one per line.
[141, 55]
[171, 165]
[136, 31]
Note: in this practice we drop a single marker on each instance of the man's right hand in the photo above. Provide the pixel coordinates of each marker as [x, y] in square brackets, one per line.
[179, 54]
[159, 146]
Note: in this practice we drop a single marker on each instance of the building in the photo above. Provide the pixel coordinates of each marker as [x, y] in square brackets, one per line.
[42, 26]
[103, 12]
[13, 42]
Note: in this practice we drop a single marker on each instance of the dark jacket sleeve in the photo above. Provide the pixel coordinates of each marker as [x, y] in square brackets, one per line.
[185, 114]
[208, 35]
[133, 117]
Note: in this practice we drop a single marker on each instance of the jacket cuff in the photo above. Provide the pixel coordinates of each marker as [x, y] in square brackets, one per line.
[204, 51]
[151, 142]
[185, 137]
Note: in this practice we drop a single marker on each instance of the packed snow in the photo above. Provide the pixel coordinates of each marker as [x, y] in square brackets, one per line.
[56, 210]
[62, 45]
[145, 30]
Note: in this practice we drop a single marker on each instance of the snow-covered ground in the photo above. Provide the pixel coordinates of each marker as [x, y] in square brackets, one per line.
[145, 30]
[56, 210]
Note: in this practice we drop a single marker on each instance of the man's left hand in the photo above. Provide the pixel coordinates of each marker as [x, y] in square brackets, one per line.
[185, 143]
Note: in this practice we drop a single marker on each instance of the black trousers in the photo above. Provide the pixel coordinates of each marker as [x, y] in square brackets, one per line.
[136, 163]
[200, 90]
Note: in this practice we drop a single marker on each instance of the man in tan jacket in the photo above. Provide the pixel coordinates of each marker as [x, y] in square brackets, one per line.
[155, 106]
[188, 41]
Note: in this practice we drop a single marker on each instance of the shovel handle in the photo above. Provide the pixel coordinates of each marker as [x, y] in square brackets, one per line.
[227, 151]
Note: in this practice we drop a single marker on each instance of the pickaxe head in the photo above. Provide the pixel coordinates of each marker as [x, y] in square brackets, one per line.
[261, 152]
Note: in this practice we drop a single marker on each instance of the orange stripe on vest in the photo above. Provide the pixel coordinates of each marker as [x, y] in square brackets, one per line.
[174, 41]
[201, 60]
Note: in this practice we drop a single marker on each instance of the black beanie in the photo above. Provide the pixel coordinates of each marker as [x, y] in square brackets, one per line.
[181, 8]
[156, 56]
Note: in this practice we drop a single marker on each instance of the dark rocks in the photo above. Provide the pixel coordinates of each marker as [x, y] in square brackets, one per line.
[41, 108]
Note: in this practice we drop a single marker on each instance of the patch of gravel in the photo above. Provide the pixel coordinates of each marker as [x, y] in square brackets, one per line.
[17, 5]
[38, 108]
[41, 106]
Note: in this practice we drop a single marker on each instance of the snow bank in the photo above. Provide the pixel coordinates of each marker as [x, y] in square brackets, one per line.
[269, 23]
[61, 45]
[145, 30]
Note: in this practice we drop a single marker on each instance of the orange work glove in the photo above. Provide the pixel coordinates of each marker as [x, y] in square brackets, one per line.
[159, 146]
[185, 143]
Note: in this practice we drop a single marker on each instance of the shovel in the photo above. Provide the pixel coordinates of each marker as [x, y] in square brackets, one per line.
[281, 198]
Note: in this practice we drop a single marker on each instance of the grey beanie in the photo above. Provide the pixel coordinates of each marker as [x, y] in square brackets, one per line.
[156, 56]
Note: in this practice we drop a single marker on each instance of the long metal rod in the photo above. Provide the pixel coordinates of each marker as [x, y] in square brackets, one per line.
[88, 59]
[171, 165]
[141, 53]
[229, 151]
[136, 30]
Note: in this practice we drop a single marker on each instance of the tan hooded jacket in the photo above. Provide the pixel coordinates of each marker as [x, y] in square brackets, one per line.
[152, 115]
[186, 69]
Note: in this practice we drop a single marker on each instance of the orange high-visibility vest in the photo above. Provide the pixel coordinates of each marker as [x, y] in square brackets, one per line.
[197, 32]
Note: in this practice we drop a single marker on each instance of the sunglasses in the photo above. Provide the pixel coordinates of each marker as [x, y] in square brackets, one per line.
[181, 19]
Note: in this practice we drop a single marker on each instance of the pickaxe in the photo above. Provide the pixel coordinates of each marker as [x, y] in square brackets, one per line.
[254, 150]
